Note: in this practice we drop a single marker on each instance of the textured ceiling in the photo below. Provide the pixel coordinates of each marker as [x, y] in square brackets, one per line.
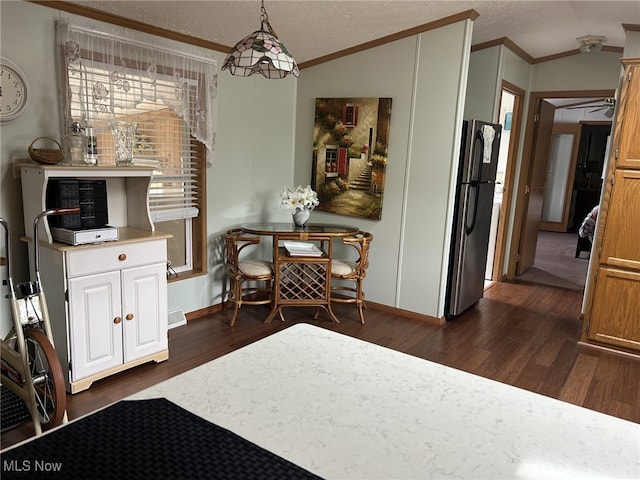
[313, 28]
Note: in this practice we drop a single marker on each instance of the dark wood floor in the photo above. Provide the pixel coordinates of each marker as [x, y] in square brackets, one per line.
[523, 335]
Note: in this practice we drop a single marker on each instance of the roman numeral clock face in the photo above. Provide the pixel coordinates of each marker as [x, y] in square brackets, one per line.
[13, 91]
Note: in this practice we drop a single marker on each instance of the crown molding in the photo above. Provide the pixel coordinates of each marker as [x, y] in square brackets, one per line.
[133, 24]
[511, 45]
[466, 15]
[576, 51]
[199, 42]
[531, 60]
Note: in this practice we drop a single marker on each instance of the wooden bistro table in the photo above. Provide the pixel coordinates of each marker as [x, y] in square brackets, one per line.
[301, 280]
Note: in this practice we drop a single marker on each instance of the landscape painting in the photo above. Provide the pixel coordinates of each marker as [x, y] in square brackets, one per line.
[350, 142]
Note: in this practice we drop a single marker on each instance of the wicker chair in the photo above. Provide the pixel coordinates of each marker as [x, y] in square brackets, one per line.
[245, 276]
[351, 273]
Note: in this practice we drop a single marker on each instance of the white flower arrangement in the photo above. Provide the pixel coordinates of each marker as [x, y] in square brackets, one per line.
[299, 198]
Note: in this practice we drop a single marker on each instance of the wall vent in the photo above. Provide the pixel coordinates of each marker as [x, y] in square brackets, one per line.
[177, 318]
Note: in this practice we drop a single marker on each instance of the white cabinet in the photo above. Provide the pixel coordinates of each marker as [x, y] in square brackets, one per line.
[127, 192]
[107, 301]
[117, 317]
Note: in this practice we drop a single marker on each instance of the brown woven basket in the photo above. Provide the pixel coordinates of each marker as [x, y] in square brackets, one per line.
[46, 156]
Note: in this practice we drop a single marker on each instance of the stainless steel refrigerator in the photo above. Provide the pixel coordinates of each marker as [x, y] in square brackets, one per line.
[472, 215]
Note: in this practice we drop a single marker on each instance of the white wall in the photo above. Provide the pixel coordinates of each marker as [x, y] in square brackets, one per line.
[587, 71]
[423, 76]
[514, 69]
[438, 104]
[482, 87]
[26, 38]
[253, 160]
[361, 75]
[632, 44]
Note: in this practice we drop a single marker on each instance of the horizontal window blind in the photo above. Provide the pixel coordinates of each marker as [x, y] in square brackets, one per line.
[161, 139]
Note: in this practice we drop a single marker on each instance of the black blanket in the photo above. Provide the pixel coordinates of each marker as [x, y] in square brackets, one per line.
[145, 439]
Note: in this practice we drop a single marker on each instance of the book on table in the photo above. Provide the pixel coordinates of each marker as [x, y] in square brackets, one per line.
[302, 249]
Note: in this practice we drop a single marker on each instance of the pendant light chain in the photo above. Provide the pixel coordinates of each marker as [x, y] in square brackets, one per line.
[264, 20]
[261, 52]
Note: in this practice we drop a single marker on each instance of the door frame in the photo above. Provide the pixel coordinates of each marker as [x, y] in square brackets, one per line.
[524, 178]
[509, 177]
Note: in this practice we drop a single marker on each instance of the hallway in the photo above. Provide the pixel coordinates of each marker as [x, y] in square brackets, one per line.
[555, 263]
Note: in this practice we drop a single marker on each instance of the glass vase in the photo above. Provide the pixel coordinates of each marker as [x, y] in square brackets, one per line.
[301, 216]
[77, 146]
[123, 136]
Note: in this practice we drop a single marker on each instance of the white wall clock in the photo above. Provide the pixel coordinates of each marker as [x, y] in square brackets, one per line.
[14, 91]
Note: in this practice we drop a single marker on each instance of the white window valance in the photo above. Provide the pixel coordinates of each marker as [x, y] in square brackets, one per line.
[107, 70]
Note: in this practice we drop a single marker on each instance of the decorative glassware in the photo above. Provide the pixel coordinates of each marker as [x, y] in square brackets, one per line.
[76, 145]
[91, 158]
[123, 135]
[301, 216]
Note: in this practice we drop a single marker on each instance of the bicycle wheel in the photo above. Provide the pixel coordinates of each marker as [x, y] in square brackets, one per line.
[48, 379]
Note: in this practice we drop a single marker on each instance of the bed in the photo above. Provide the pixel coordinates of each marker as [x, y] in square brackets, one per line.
[337, 407]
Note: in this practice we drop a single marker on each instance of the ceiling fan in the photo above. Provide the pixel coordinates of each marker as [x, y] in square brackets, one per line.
[608, 105]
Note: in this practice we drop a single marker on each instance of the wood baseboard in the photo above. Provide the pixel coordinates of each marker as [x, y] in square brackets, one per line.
[203, 312]
[217, 308]
[615, 351]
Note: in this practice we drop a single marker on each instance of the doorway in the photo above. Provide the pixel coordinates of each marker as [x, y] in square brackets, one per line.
[510, 117]
[528, 224]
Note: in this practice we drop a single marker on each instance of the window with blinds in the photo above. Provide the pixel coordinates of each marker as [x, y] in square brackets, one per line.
[167, 92]
[161, 140]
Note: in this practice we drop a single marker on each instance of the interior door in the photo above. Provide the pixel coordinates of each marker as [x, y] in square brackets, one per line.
[535, 186]
[565, 141]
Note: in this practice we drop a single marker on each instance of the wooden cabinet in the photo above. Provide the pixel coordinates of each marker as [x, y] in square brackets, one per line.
[612, 302]
[621, 242]
[107, 301]
[628, 147]
[616, 308]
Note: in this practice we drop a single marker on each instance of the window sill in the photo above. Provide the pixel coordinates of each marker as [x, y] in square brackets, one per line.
[185, 275]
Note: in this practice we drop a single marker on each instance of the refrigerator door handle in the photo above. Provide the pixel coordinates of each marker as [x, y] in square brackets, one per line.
[469, 228]
[475, 158]
[475, 183]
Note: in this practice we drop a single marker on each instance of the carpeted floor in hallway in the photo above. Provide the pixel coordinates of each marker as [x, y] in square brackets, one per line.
[555, 263]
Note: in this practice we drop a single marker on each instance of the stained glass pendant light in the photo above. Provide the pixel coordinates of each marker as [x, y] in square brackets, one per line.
[261, 52]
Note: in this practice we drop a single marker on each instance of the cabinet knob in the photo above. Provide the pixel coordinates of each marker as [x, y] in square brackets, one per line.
[122, 257]
[129, 316]
[117, 320]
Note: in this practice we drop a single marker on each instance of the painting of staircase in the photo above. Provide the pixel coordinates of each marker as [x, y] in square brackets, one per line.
[362, 181]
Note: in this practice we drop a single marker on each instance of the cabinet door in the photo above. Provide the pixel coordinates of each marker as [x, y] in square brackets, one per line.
[629, 147]
[614, 318]
[95, 323]
[144, 302]
[621, 244]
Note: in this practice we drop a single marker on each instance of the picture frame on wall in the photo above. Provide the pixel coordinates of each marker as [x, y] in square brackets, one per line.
[350, 144]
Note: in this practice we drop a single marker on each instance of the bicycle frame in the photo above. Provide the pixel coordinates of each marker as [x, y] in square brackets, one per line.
[28, 310]
[17, 357]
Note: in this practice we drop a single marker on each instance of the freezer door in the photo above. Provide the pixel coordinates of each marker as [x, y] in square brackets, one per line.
[479, 152]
